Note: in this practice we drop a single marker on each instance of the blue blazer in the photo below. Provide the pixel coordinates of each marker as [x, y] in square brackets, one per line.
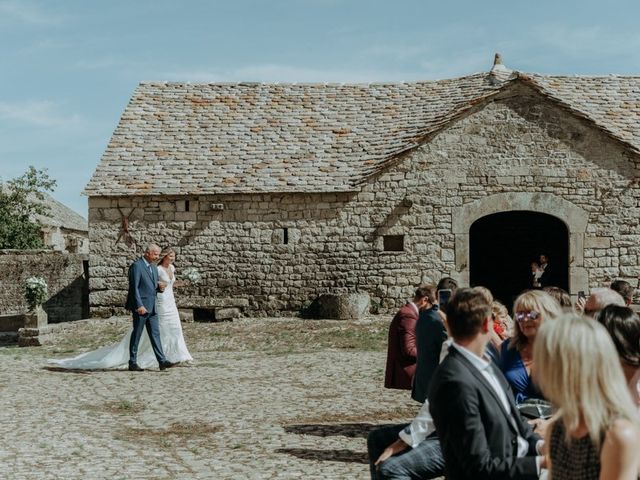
[430, 333]
[143, 285]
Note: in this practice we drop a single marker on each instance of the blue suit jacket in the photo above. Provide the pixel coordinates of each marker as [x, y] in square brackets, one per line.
[143, 284]
[430, 333]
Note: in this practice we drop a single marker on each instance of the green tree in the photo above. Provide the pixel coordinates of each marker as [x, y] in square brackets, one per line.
[21, 199]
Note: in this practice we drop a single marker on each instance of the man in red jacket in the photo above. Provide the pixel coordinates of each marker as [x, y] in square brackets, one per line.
[401, 354]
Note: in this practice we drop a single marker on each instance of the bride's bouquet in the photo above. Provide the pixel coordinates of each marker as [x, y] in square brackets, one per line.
[192, 275]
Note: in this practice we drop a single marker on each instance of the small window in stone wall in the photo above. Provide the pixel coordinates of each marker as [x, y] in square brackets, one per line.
[186, 205]
[285, 236]
[393, 243]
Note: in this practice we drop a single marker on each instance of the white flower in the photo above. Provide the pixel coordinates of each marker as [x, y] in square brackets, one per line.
[192, 275]
[35, 291]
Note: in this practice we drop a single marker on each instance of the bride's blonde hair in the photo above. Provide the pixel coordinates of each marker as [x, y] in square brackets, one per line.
[165, 251]
[578, 370]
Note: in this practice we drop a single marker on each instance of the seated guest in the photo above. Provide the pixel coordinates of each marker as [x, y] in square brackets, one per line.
[561, 296]
[407, 451]
[599, 298]
[481, 432]
[625, 290]
[493, 347]
[531, 309]
[401, 349]
[504, 322]
[430, 333]
[623, 325]
[595, 433]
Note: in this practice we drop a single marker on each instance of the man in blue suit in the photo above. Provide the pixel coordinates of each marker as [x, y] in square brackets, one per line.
[141, 300]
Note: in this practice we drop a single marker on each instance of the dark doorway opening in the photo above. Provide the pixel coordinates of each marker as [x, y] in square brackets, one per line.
[503, 245]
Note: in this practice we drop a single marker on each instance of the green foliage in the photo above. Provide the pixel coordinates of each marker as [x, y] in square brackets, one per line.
[20, 200]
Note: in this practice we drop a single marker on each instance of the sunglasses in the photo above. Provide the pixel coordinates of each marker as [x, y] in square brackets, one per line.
[524, 316]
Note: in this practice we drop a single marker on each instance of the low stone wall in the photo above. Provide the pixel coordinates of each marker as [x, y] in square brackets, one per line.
[65, 273]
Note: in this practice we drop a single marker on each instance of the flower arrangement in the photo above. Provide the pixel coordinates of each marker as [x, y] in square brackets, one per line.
[192, 275]
[35, 291]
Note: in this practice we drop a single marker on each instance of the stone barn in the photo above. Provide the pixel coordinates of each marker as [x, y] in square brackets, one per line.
[278, 193]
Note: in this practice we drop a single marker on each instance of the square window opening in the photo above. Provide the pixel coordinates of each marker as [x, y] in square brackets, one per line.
[393, 243]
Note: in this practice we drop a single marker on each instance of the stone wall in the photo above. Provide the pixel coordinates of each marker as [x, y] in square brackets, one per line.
[266, 253]
[65, 274]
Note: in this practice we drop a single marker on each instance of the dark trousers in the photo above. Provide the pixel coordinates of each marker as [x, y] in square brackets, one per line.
[150, 321]
[423, 462]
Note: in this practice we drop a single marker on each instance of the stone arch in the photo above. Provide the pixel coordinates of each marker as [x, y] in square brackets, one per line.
[574, 217]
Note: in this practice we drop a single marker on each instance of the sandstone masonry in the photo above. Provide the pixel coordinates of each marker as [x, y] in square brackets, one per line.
[267, 252]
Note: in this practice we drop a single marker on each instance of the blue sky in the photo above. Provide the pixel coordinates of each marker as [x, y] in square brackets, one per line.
[69, 67]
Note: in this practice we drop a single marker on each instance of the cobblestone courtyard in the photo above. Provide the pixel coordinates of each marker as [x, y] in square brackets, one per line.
[267, 398]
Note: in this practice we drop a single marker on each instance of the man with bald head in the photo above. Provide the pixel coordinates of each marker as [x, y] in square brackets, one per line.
[600, 298]
[141, 301]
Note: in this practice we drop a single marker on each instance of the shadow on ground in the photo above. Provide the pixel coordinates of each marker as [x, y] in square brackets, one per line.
[351, 430]
[346, 456]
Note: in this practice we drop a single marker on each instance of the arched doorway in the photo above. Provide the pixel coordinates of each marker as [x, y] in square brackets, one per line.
[503, 245]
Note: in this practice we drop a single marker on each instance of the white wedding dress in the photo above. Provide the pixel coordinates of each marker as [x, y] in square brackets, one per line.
[117, 356]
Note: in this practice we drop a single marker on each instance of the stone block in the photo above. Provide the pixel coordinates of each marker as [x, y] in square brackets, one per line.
[11, 323]
[35, 319]
[227, 313]
[342, 306]
[186, 316]
[597, 242]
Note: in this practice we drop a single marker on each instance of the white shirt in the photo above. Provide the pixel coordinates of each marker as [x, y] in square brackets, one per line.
[420, 428]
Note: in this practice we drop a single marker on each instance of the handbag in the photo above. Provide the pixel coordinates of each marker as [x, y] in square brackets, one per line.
[535, 408]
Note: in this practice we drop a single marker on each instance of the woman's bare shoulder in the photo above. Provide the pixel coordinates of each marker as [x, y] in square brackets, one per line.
[623, 434]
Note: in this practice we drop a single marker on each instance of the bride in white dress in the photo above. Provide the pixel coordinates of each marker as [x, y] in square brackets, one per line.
[117, 356]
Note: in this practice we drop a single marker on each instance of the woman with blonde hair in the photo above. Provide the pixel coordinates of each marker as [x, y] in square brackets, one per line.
[595, 433]
[116, 356]
[530, 310]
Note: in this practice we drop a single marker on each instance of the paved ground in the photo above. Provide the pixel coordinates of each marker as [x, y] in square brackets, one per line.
[268, 398]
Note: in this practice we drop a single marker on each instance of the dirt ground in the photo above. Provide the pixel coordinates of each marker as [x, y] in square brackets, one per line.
[265, 398]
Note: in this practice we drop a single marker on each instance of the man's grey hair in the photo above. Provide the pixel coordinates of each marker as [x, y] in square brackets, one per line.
[601, 297]
[152, 246]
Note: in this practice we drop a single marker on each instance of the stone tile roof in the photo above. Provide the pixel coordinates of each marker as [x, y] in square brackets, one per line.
[60, 215]
[180, 138]
[611, 102]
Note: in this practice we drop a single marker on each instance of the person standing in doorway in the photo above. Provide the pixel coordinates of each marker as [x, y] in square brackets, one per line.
[546, 277]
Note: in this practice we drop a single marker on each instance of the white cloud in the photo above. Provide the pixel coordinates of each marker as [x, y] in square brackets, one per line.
[27, 12]
[38, 113]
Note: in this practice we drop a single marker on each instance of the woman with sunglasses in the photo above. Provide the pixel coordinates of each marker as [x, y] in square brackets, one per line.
[530, 310]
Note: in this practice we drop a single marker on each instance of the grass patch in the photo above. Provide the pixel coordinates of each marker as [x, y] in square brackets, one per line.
[121, 407]
[287, 336]
[166, 437]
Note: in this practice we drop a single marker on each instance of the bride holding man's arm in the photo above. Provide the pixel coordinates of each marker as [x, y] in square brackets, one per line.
[172, 342]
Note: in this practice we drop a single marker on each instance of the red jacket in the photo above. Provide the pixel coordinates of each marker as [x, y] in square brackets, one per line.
[401, 353]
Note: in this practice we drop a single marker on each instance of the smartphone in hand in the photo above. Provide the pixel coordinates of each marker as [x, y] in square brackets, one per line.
[443, 299]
